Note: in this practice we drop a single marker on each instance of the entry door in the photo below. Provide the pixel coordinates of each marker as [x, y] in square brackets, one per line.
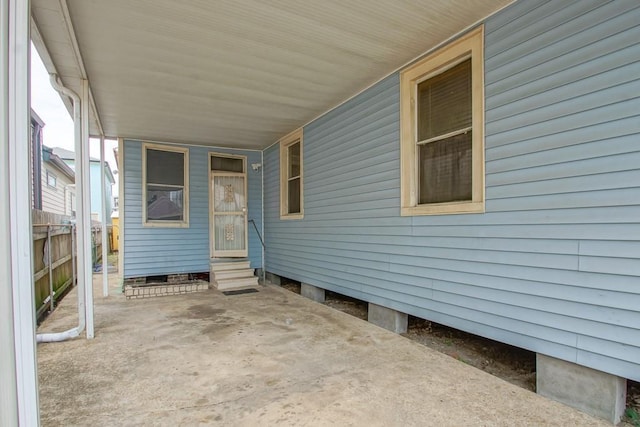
[228, 213]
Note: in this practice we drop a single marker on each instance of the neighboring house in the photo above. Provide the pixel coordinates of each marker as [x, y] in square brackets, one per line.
[58, 185]
[35, 160]
[96, 208]
[52, 181]
[491, 185]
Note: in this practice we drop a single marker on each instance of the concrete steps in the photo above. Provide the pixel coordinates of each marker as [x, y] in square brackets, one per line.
[232, 275]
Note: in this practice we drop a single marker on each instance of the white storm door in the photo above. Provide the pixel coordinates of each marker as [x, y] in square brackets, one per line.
[229, 215]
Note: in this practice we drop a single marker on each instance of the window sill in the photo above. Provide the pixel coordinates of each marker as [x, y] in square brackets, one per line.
[292, 216]
[165, 224]
[443, 209]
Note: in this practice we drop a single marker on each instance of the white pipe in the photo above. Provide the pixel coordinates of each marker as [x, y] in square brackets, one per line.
[103, 192]
[80, 219]
[58, 336]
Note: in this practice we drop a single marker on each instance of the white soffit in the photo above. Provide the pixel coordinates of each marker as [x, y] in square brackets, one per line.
[239, 73]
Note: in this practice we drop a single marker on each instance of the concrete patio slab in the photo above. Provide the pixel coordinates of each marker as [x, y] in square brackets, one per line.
[266, 358]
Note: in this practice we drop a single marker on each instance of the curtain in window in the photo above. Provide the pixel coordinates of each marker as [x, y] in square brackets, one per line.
[228, 202]
[294, 178]
[445, 170]
[444, 136]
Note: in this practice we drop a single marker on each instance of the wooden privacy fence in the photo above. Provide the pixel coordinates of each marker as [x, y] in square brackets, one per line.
[54, 257]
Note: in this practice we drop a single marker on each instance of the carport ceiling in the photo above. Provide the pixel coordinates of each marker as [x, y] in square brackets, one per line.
[239, 73]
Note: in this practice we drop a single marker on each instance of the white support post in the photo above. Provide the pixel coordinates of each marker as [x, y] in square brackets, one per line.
[121, 208]
[83, 163]
[8, 379]
[18, 371]
[103, 207]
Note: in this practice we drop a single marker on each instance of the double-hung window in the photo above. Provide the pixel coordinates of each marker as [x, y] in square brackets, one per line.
[291, 180]
[442, 130]
[165, 186]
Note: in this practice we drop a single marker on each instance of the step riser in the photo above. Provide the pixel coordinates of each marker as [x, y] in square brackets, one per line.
[232, 274]
[227, 284]
[226, 266]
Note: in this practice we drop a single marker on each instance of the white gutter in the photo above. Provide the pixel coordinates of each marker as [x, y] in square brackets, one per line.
[103, 206]
[81, 220]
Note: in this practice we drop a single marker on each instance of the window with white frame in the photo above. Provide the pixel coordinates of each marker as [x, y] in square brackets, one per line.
[291, 176]
[52, 180]
[165, 186]
[442, 130]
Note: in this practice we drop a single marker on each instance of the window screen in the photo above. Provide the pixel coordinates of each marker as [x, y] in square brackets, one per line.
[293, 156]
[444, 136]
[165, 185]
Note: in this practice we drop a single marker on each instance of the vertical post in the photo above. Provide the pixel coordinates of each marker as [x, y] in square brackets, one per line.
[103, 207]
[73, 255]
[263, 253]
[18, 372]
[8, 374]
[50, 257]
[121, 204]
[86, 208]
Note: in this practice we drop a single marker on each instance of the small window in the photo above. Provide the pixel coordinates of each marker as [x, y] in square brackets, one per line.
[291, 176]
[442, 130]
[227, 164]
[73, 205]
[52, 180]
[166, 186]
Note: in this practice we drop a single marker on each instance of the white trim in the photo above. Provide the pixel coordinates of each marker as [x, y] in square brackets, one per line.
[185, 196]
[19, 396]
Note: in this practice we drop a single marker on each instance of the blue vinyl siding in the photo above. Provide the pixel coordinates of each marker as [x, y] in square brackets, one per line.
[156, 250]
[554, 264]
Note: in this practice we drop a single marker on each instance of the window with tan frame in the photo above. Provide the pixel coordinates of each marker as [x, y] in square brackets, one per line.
[165, 173]
[442, 130]
[291, 176]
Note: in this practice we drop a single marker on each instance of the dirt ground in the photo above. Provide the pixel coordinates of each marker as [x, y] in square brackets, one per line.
[512, 364]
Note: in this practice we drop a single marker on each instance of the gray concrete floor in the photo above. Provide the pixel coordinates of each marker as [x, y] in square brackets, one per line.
[268, 358]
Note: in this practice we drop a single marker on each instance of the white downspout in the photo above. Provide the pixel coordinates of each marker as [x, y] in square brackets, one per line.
[81, 220]
[103, 207]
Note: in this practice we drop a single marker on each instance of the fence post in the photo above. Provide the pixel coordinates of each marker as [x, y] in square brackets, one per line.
[50, 258]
